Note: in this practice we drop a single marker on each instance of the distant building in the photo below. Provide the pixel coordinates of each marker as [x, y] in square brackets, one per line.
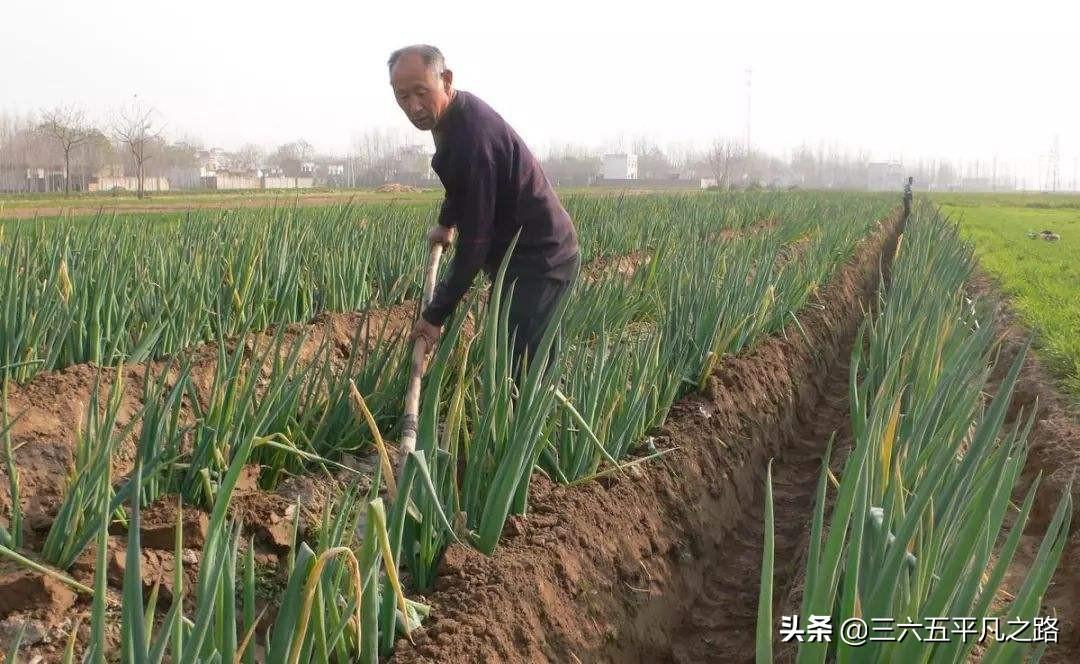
[127, 183]
[183, 177]
[213, 160]
[45, 179]
[224, 180]
[286, 182]
[620, 166]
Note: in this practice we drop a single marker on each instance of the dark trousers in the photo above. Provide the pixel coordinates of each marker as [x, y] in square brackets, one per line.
[533, 303]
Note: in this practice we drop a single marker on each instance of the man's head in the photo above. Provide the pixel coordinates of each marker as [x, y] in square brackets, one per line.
[910, 180]
[422, 84]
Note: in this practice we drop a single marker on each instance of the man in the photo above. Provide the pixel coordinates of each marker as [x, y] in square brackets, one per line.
[907, 197]
[495, 188]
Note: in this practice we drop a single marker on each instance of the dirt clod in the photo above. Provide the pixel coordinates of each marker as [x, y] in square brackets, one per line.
[158, 529]
[26, 591]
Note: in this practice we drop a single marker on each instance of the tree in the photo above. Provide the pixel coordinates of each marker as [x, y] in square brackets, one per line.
[290, 157]
[20, 151]
[136, 126]
[94, 155]
[722, 157]
[680, 154]
[377, 155]
[249, 157]
[68, 128]
[653, 164]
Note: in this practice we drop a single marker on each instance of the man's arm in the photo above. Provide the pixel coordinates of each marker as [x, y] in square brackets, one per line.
[470, 207]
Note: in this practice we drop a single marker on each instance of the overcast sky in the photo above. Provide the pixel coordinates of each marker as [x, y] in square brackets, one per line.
[965, 80]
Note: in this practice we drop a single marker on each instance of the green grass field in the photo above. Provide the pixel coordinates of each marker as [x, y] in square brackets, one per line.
[1042, 279]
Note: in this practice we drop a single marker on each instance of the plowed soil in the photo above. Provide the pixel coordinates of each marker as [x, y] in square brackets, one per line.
[662, 565]
[49, 406]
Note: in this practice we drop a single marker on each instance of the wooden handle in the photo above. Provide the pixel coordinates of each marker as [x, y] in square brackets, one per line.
[410, 419]
[432, 273]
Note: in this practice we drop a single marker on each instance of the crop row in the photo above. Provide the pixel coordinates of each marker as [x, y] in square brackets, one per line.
[923, 527]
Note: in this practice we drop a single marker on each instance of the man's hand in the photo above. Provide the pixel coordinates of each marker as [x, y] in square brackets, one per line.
[440, 235]
[422, 329]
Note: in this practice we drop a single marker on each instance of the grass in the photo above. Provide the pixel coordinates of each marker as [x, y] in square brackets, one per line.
[1042, 279]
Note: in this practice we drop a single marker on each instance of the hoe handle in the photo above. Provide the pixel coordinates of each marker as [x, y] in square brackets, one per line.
[409, 420]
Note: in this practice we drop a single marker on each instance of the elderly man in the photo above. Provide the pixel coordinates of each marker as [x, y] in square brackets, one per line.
[495, 188]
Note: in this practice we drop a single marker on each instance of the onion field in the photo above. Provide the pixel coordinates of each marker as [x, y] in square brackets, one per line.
[200, 414]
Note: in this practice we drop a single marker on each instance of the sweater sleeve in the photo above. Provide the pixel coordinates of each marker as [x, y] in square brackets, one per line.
[469, 206]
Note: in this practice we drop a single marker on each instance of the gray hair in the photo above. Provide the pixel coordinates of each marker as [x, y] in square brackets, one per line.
[433, 57]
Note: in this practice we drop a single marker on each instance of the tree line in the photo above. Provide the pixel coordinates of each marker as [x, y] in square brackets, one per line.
[72, 150]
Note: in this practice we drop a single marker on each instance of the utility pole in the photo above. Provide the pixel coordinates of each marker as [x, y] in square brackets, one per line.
[749, 73]
[1054, 166]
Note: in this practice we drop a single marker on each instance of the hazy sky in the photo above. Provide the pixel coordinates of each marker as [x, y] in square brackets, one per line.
[953, 79]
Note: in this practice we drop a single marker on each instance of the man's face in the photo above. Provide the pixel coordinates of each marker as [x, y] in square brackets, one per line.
[419, 92]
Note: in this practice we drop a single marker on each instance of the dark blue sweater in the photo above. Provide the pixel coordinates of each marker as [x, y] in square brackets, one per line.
[494, 187]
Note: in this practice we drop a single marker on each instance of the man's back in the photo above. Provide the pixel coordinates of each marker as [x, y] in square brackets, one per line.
[487, 169]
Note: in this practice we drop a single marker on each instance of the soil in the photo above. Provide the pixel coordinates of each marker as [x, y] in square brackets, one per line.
[394, 188]
[661, 565]
[606, 267]
[764, 224]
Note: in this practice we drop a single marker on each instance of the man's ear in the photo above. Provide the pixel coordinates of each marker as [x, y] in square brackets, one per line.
[448, 80]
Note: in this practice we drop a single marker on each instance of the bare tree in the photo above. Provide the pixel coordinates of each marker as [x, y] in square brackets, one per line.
[249, 157]
[137, 127]
[680, 153]
[377, 154]
[68, 128]
[290, 157]
[22, 150]
[95, 155]
[722, 157]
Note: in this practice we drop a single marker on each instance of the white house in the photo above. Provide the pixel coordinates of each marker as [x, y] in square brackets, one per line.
[621, 166]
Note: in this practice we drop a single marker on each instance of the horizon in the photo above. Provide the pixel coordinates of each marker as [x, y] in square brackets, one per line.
[981, 86]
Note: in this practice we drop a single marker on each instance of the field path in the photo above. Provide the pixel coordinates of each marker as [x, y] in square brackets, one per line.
[720, 624]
